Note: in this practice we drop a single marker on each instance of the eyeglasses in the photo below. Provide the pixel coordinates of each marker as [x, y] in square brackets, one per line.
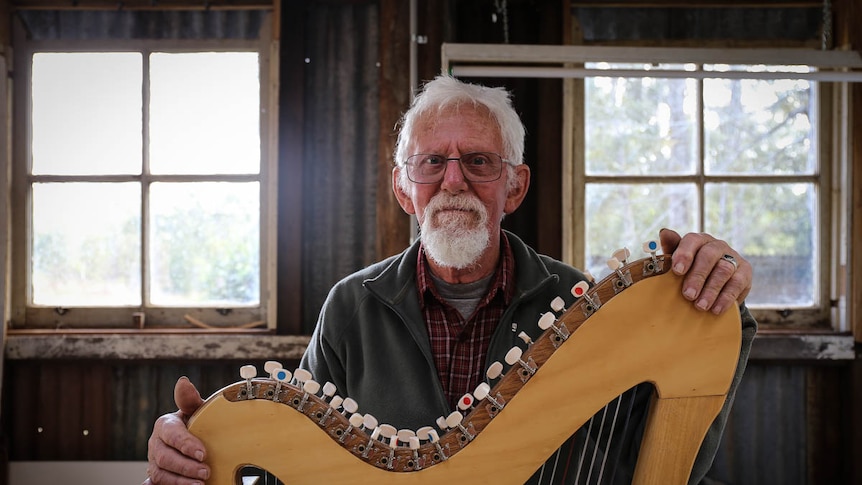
[428, 168]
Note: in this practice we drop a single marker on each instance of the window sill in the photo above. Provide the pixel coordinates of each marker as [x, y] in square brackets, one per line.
[772, 345]
[262, 344]
[153, 345]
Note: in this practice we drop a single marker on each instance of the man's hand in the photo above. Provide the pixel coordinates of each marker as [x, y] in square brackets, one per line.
[711, 281]
[175, 455]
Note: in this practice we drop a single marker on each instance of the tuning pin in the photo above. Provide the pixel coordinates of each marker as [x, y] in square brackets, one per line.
[309, 388]
[413, 443]
[653, 265]
[427, 433]
[355, 421]
[248, 372]
[494, 370]
[271, 366]
[281, 376]
[466, 402]
[622, 255]
[592, 302]
[454, 421]
[625, 278]
[514, 357]
[483, 391]
[561, 332]
[334, 405]
[558, 304]
[393, 444]
[526, 338]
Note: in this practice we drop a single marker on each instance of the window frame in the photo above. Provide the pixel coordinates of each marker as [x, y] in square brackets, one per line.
[23, 314]
[838, 68]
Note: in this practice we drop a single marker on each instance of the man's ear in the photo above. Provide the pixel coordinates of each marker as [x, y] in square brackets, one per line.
[518, 191]
[404, 199]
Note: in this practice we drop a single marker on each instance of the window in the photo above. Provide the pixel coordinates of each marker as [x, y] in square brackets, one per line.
[143, 184]
[737, 158]
[750, 145]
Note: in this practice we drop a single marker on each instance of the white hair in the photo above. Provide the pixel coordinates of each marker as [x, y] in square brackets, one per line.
[444, 92]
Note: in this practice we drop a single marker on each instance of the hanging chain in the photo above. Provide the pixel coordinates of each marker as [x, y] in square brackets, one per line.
[503, 11]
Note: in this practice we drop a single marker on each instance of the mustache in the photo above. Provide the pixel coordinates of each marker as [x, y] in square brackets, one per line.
[445, 201]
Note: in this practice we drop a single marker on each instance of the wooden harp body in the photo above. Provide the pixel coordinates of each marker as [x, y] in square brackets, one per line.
[645, 332]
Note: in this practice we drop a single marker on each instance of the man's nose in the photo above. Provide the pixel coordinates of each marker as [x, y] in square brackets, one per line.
[453, 174]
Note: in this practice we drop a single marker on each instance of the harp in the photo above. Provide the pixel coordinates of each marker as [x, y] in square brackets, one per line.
[632, 326]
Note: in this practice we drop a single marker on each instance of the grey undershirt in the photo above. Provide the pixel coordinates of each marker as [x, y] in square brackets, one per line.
[464, 297]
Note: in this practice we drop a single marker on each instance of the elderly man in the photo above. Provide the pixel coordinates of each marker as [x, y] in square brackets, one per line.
[408, 336]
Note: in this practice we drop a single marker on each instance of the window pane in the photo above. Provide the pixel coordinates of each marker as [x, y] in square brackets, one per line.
[774, 227]
[627, 215]
[204, 113]
[641, 126]
[86, 244]
[759, 127]
[86, 113]
[205, 244]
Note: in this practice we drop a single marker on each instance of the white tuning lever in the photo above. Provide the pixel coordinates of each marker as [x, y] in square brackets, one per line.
[349, 406]
[592, 303]
[404, 435]
[248, 372]
[651, 246]
[271, 366]
[354, 421]
[622, 254]
[547, 320]
[281, 375]
[454, 421]
[427, 433]
[441, 423]
[369, 422]
[466, 402]
[558, 304]
[514, 357]
[614, 264]
[494, 370]
[334, 404]
[387, 431]
[526, 338]
[483, 391]
[309, 388]
[301, 375]
[328, 389]
[589, 276]
[580, 289]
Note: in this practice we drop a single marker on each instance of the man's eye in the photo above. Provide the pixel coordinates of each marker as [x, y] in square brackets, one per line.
[432, 160]
[477, 160]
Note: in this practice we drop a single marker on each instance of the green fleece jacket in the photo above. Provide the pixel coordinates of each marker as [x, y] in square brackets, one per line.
[371, 342]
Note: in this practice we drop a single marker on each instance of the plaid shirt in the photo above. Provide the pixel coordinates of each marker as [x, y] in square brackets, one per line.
[460, 346]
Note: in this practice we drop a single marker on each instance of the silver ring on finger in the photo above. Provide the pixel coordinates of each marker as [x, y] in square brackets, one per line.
[730, 259]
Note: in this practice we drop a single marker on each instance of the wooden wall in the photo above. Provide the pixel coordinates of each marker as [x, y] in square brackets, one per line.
[794, 422]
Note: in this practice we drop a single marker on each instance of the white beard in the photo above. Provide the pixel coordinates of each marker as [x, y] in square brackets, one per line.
[455, 239]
